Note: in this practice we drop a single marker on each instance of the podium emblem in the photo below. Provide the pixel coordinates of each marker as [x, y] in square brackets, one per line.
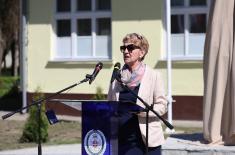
[95, 142]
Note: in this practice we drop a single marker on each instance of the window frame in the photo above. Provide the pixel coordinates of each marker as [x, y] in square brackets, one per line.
[73, 16]
[186, 11]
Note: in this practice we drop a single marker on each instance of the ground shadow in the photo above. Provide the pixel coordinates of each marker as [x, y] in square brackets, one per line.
[12, 100]
[190, 137]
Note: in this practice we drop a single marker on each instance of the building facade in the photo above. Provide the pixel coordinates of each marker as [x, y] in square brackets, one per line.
[66, 39]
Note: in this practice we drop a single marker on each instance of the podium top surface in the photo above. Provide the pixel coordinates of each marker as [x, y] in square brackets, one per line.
[77, 104]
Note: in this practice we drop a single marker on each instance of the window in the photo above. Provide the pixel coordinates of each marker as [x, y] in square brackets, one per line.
[83, 29]
[188, 27]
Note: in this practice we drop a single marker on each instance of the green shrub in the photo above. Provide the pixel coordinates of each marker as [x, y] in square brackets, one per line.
[99, 94]
[30, 131]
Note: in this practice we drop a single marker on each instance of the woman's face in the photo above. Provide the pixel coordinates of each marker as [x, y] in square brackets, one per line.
[131, 54]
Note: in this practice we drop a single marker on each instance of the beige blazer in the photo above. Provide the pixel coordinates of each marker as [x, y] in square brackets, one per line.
[152, 92]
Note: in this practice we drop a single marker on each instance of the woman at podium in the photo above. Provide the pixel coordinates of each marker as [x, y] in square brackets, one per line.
[148, 85]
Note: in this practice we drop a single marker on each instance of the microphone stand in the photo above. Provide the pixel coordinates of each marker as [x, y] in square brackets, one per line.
[38, 104]
[147, 109]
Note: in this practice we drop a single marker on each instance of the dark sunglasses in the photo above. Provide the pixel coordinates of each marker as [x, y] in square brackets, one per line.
[130, 48]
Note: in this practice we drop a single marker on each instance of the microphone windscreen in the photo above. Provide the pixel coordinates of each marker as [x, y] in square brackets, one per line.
[117, 65]
[116, 72]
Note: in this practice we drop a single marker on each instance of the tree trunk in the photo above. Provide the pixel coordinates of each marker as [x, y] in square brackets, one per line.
[16, 64]
[2, 46]
[15, 58]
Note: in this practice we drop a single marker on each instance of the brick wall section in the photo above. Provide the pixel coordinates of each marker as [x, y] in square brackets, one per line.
[187, 108]
[60, 108]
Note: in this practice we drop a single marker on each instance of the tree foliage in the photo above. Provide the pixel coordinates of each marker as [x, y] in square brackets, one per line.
[99, 94]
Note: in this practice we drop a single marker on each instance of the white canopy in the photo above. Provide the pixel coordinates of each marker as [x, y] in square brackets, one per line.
[219, 74]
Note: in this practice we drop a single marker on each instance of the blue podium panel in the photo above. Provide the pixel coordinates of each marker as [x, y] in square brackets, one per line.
[100, 125]
[99, 128]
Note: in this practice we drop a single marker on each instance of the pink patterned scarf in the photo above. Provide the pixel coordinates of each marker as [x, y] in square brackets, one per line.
[132, 79]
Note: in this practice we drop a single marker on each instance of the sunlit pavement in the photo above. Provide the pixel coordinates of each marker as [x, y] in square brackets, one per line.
[70, 149]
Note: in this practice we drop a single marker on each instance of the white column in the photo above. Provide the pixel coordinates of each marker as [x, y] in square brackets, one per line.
[168, 38]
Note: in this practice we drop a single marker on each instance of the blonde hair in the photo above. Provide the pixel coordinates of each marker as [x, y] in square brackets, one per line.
[137, 40]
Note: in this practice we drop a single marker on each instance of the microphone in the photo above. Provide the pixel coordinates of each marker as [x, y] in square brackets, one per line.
[98, 67]
[116, 71]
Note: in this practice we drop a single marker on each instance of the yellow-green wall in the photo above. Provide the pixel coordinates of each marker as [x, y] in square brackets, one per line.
[187, 77]
[145, 17]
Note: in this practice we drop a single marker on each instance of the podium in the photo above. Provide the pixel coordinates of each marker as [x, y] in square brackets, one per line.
[99, 128]
[100, 123]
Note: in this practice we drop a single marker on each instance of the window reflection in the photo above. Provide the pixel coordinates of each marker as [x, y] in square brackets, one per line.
[84, 5]
[177, 24]
[103, 4]
[84, 27]
[63, 28]
[103, 26]
[63, 5]
[177, 2]
[197, 3]
[197, 23]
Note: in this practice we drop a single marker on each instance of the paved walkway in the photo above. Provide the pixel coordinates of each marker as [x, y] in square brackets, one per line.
[192, 144]
[177, 144]
[71, 149]
[181, 145]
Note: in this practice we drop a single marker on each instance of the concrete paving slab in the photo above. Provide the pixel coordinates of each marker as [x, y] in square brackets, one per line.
[176, 145]
[193, 144]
